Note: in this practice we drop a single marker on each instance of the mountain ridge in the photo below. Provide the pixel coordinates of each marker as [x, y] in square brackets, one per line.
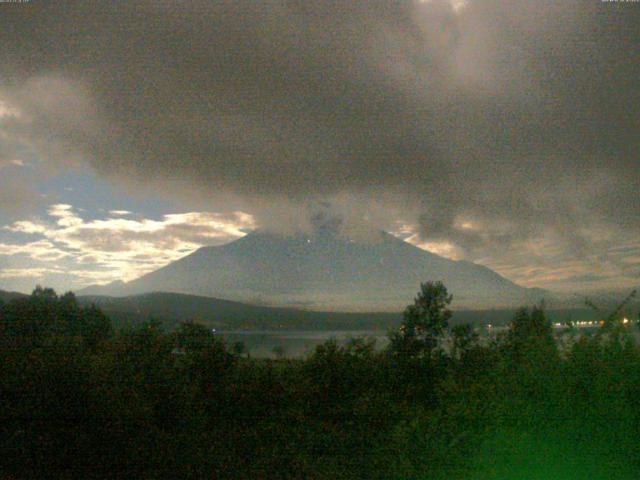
[6, 296]
[325, 271]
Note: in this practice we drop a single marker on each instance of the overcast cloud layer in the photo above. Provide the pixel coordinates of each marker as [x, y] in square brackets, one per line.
[502, 132]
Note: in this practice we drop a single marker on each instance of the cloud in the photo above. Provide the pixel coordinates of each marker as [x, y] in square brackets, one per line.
[30, 273]
[5, 163]
[26, 226]
[519, 118]
[545, 259]
[119, 213]
[65, 215]
[39, 250]
[17, 195]
[110, 249]
[7, 111]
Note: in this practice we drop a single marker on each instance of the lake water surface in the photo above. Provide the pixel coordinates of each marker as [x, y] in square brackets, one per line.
[296, 343]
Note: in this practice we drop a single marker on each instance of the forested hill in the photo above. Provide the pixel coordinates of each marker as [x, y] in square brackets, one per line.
[8, 296]
[171, 308]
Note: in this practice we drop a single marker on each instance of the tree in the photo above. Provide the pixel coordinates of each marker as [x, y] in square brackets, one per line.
[95, 326]
[463, 338]
[425, 321]
[239, 349]
[278, 351]
[35, 320]
[42, 293]
[530, 327]
[194, 337]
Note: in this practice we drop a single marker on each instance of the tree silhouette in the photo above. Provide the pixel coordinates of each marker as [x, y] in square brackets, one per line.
[425, 321]
[239, 348]
[463, 338]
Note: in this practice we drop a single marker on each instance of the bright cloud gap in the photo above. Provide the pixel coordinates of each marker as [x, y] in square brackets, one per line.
[102, 250]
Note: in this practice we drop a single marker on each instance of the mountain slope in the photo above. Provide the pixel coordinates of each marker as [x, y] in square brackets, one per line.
[326, 271]
[8, 296]
[172, 308]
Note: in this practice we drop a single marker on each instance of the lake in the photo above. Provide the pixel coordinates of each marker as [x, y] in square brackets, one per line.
[295, 343]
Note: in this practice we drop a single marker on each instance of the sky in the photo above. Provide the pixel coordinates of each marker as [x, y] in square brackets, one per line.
[500, 132]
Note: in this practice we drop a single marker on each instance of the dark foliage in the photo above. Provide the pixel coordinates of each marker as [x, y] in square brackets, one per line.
[424, 321]
[79, 400]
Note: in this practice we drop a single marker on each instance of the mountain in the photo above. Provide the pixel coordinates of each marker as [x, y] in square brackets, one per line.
[324, 271]
[116, 289]
[171, 308]
[8, 296]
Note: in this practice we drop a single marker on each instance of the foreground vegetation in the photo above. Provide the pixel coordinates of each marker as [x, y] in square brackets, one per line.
[80, 400]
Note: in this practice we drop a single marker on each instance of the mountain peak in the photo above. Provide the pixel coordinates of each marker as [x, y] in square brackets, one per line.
[327, 269]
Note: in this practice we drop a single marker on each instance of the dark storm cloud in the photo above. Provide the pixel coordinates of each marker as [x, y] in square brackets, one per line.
[519, 116]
